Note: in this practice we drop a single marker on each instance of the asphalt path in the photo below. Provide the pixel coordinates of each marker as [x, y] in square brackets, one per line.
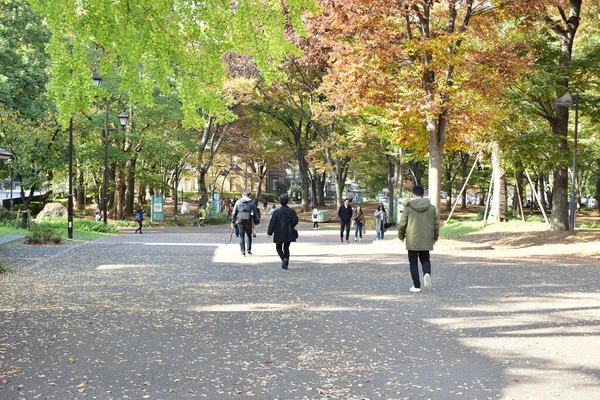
[179, 313]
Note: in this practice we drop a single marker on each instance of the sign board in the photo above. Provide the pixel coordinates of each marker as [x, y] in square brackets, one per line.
[158, 208]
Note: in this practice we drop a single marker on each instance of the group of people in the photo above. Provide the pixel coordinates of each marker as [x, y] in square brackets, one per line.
[418, 227]
[348, 215]
[245, 217]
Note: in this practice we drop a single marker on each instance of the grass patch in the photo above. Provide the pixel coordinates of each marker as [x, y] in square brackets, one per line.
[84, 230]
[456, 230]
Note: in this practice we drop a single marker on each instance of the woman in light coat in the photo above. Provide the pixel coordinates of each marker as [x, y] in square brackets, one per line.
[380, 221]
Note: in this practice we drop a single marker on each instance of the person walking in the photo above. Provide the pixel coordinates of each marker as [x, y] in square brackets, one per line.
[315, 218]
[420, 227]
[139, 218]
[380, 221]
[201, 213]
[282, 227]
[345, 214]
[359, 222]
[272, 210]
[243, 216]
[265, 204]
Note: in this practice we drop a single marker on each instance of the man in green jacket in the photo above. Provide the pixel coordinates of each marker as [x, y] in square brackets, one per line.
[420, 226]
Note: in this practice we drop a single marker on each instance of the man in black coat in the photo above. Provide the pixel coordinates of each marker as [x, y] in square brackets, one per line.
[345, 214]
[281, 227]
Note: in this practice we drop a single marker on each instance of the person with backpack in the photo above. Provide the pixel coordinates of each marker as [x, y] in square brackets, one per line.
[139, 218]
[243, 216]
[282, 229]
[315, 218]
[201, 214]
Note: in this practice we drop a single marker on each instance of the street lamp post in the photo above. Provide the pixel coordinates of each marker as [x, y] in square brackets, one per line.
[123, 117]
[566, 101]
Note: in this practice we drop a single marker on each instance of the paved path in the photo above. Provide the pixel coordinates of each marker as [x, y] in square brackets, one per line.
[177, 314]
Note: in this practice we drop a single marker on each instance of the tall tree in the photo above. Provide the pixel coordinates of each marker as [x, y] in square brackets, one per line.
[428, 62]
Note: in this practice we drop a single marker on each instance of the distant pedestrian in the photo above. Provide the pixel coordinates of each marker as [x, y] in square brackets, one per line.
[380, 221]
[255, 219]
[315, 218]
[139, 218]
[420, 227]
[345, 214]
[265, 204]
[359, 221]
[272, 210]
[201, 214]
[282, 228]
[244, 212]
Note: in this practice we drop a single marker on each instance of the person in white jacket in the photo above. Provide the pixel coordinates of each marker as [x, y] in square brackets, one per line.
[315, 218]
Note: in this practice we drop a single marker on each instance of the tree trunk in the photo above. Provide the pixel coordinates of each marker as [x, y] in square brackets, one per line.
[559, 218]
[463, 206]
[321, 189]
[542, 189]
[499, 211]
[79, 188]
[130, 190]
[598, 187]
[395, 173]
[436, 131]
[519, 193]
[119, 192]
[202, 188]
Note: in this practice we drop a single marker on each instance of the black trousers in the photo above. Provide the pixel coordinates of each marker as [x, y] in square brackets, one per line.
[283, 249]
[346, 226]
[245, 231]
[413, 259]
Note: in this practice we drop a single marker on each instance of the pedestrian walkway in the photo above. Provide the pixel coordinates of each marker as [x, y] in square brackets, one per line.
[178, 313]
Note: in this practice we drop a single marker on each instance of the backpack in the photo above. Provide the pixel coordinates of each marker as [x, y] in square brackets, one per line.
[139, 217]
[245, 213]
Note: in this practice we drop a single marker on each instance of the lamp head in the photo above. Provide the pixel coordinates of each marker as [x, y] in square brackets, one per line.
[97, 79]
[123, 118]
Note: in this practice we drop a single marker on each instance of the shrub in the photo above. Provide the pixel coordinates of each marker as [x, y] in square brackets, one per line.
[42, 235]
[217, 219]
[35, 207]
[7, 216]
[80, 224]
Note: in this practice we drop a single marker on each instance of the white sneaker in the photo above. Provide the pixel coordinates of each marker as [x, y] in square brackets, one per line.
[427, 281]
[355, 239]
[415, 290]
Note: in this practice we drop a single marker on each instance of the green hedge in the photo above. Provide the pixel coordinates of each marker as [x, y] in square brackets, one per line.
[80, 224]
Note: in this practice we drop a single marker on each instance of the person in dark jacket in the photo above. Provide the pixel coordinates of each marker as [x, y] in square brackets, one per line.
[420, 227]
[345, 214]
[139, 218]
[281, 227]
[243, 216]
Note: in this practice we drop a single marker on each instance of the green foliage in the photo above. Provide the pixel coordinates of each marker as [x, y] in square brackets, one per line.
[593, 225]
[7, 216]
[3, 268]
[43, 235]
[217, 219]
[152, 42]
[81, 224]
[35, 207]
[23, 60]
